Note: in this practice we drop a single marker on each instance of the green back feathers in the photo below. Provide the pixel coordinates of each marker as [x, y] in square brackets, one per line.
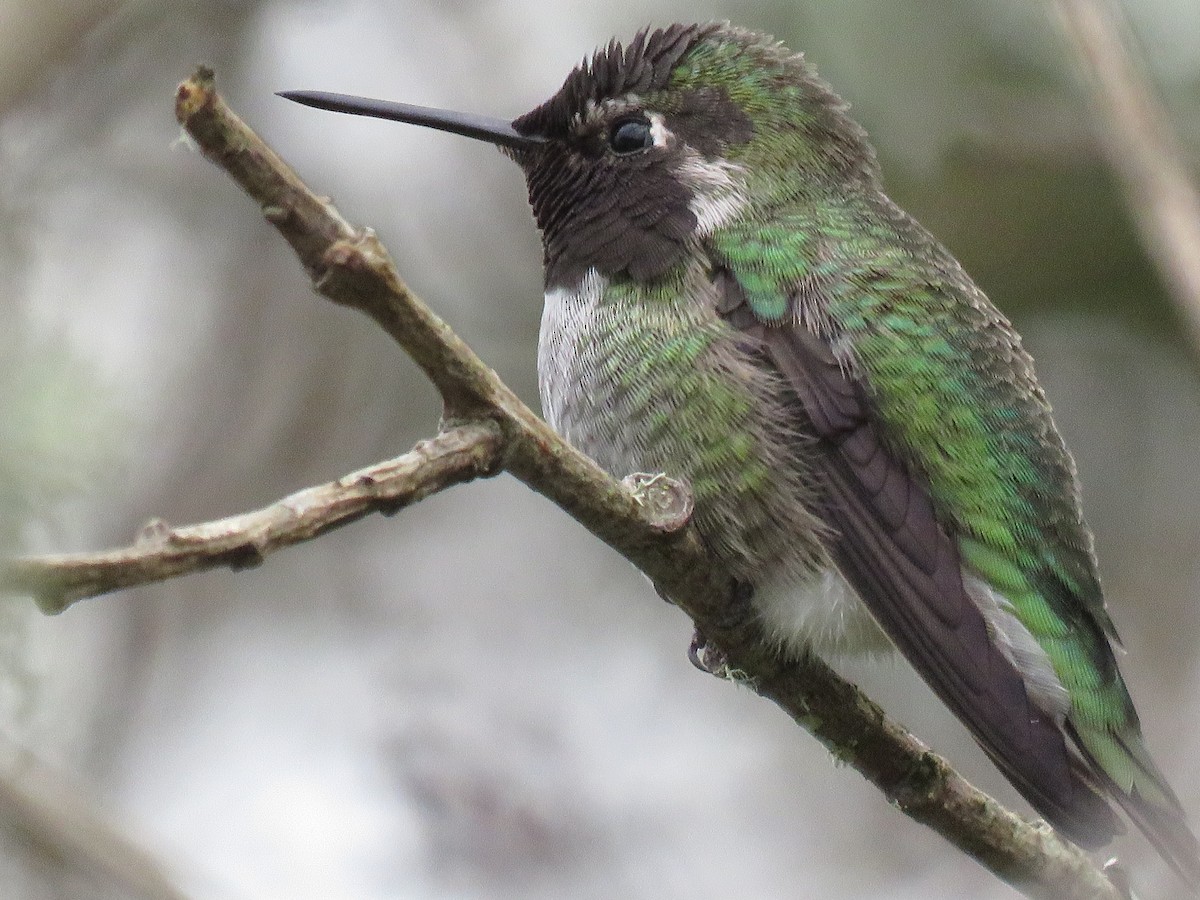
[796, 116]
[957, 394]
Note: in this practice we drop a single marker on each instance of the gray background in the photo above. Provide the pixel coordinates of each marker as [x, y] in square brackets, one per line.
[475, 699]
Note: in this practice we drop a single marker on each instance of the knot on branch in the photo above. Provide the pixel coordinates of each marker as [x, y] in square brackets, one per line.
[356, 272]
[155, 533]
[667, 503]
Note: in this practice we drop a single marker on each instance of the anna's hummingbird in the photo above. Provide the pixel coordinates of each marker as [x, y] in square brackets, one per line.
[732, 299]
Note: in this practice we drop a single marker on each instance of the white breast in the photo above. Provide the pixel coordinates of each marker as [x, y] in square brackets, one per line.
[565, 364]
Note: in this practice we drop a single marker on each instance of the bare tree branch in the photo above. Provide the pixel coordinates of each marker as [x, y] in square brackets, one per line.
[1142, 149]
[38, 36]
[66, 824]
[458, 454]
[350, 267]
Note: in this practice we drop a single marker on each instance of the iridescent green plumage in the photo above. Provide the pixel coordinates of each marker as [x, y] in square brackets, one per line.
[983, 439]
[732, 299]
[937, 381]
[950, 383]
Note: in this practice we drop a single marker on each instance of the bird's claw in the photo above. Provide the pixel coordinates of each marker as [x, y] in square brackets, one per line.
[706, 657]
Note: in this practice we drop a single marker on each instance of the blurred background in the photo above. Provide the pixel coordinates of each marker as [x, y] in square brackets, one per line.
[475, 699]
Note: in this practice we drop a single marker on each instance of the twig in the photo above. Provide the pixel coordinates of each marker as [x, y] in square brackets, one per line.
[456, 455]
[352, 268]
[67, 825]
[1142, 149]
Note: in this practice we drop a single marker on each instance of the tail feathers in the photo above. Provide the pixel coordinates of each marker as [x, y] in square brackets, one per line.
[1124, 768]
[1167, 829]
[1153, 807]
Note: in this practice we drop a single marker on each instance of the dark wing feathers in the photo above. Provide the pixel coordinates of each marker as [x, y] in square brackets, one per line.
[889, 545]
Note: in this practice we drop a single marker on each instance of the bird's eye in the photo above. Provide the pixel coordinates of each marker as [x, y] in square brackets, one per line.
[630, 136]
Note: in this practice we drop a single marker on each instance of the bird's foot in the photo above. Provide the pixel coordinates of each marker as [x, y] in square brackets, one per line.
[708, 657]
[739, 609]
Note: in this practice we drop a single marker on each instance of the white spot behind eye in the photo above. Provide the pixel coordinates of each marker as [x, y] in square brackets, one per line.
[658, 130]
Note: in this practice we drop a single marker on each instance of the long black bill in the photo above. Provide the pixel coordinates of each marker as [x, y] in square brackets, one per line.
[483, 128]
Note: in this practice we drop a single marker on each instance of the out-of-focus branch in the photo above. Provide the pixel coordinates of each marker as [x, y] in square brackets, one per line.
[1142, 149]
[38, 36]
[65, 824]
[645, 520]
[456, 455]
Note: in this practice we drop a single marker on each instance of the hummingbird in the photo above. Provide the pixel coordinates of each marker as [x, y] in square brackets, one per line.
[731, 299]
